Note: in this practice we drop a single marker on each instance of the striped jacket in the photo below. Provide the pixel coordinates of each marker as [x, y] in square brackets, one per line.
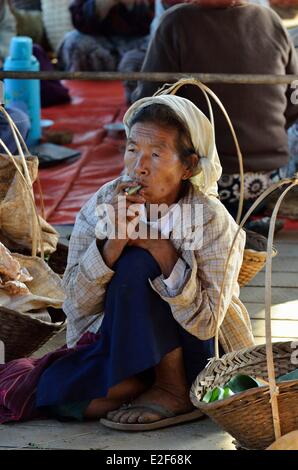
[195, 305]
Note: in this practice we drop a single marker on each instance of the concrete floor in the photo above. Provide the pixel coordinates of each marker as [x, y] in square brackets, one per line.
[55, 435]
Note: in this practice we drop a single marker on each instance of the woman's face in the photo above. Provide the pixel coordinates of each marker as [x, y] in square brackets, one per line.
[152, 160]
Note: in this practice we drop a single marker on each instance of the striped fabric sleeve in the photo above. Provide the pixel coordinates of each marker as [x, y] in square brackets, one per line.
[177, 278]
[195, 306]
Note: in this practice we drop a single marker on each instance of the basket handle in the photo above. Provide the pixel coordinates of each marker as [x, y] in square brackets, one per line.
[172, 89]
[268, 275]
[274, 391]
[36, 228]
[263, 196]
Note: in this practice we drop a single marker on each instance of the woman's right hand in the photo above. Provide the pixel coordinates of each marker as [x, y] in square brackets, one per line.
[120, 218]
[119, 215]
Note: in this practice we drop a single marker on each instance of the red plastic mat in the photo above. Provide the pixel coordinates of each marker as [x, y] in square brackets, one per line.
[67, 186]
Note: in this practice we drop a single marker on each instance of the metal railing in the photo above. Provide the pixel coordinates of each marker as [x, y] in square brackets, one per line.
[247, 79]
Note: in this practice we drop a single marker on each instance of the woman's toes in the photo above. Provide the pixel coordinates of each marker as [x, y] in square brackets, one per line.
[133, 417]
[148, 418]
[124, 418]
[111, 414]
[118, 415]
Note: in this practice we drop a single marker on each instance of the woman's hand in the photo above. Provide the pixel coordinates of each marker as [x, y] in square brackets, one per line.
[120, 215]
[120, 218]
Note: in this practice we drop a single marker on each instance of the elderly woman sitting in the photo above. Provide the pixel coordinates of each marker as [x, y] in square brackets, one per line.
[144, 273]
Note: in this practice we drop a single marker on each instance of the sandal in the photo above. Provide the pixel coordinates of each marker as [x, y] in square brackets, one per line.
[168, 418]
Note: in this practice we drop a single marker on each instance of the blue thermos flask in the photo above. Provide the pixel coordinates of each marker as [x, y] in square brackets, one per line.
[24, 93]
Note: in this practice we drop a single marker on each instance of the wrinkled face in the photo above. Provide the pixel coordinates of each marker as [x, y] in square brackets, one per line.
[151, 159]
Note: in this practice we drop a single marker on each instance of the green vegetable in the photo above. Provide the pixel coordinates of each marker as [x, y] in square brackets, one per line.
[240, 383]
[133, 190]
[237, 384]
[207, 397]
[228, 392]
[290, 376]
[213, 395]
[217, 393]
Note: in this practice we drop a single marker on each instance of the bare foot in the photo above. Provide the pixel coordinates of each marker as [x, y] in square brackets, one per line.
[124, 392]
[177, 402]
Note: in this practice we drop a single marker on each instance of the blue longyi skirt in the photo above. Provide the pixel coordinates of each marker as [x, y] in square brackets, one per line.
[138, 329]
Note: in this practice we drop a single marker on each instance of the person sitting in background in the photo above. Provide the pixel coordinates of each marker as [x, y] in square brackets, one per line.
[110, 35]
[52, 92]
[162, 5]
[289, 14]
[250, 39]
[21, 120]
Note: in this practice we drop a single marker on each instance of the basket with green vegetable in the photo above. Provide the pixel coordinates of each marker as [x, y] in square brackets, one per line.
[261, 412]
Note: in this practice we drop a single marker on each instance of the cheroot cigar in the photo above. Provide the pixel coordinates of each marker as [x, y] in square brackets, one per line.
[133, 190]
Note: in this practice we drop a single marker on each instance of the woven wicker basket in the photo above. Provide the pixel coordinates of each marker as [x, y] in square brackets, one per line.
[254, 257]
[21, 334]
[257, 416]
[253, 262]
[247, 416]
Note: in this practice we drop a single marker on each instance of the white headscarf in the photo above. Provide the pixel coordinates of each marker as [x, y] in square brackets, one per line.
[201, 131]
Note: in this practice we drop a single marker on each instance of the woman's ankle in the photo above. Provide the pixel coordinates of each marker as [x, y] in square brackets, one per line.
[121, 393]
[175, 389]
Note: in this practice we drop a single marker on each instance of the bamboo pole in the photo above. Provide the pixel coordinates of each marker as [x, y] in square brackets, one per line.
[274, 391]
[247, 79]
